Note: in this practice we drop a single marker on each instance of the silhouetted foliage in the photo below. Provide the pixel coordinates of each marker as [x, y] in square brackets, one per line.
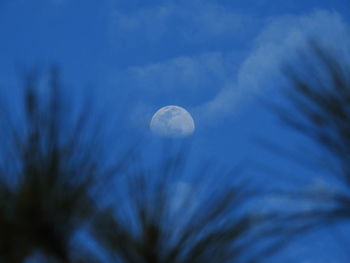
[55, 176]
[320, 96]
[167, 220]
[46, 176]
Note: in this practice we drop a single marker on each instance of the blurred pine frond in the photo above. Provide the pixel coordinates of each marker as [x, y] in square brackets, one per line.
[46, 181]
[320, 97]
[206, 221]
[52, 170]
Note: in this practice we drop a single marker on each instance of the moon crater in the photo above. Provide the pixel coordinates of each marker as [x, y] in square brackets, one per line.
[172, 121]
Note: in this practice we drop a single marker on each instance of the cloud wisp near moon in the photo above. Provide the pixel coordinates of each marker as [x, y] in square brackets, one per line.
[230, 77]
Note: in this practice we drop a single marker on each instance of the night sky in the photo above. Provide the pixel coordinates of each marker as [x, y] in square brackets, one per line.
[217, 59]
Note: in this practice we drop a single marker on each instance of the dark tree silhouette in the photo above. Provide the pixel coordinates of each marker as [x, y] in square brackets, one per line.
[320, 98]
[203, 222]
[46, 175]
[54, 170]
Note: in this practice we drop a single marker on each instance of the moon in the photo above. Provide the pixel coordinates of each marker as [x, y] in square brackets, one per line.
[172, 121]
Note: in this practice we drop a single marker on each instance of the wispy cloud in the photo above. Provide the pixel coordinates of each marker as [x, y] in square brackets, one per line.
[190, 80]
[184, 21]
[227, 78]
[283, 37]
[184, 73]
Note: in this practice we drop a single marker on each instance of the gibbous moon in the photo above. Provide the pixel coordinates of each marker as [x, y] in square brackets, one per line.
[172, 121]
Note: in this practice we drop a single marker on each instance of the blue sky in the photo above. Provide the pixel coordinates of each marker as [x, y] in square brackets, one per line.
[213, 58]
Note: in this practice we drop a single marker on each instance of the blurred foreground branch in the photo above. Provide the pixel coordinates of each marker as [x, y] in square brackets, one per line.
[320, 97]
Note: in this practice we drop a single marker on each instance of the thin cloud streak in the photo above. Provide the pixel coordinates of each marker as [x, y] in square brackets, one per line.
[230, 79]
[278, 42]
[187, 21]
